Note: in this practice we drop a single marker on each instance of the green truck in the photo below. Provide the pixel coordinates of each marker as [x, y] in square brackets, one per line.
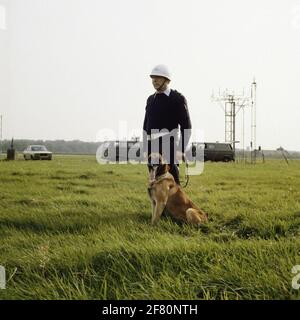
[213, 151]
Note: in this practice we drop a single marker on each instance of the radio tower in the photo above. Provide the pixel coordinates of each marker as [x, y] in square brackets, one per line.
[231, 105]
[253, 122]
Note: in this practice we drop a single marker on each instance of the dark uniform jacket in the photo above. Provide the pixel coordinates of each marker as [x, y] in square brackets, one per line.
[167, 112]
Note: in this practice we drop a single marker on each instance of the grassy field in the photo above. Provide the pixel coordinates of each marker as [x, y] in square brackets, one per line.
[72, 229]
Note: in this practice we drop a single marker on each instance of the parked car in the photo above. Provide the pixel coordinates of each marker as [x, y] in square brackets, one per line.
[213, 151]
[37, 152]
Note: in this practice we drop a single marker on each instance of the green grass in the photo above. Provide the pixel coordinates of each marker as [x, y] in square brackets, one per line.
[73, 229]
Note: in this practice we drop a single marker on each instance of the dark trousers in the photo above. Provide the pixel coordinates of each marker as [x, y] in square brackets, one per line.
[171, 156]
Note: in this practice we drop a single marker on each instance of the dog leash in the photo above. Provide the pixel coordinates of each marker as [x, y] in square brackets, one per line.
[187, 177]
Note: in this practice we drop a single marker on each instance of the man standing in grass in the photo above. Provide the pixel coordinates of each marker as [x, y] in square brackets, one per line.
[166, 109]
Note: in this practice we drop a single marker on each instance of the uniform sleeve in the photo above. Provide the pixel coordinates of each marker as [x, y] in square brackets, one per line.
[185, 124]
[145, 144]
[145, 129]
[145, 121]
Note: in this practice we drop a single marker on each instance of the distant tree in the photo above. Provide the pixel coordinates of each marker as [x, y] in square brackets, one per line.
[56, 146]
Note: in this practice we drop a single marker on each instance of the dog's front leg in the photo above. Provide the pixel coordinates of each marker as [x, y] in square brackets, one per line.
[153, 202]
[160, 204]
[158, 210]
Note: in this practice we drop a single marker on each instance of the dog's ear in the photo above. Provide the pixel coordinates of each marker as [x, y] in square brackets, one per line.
[162, 169]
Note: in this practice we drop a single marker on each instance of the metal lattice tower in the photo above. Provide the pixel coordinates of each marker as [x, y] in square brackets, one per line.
[230, 119]
[253, 122]
[231, 105]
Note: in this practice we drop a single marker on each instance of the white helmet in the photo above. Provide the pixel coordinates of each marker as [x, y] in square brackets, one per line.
[161, 71]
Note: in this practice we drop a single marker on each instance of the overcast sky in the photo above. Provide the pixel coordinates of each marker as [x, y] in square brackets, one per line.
[70, 68]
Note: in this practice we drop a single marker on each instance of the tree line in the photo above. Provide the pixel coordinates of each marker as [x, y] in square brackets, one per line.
[56, 146]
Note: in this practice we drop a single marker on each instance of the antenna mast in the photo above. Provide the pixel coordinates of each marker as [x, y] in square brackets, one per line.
[232, 105]
[253, 121]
